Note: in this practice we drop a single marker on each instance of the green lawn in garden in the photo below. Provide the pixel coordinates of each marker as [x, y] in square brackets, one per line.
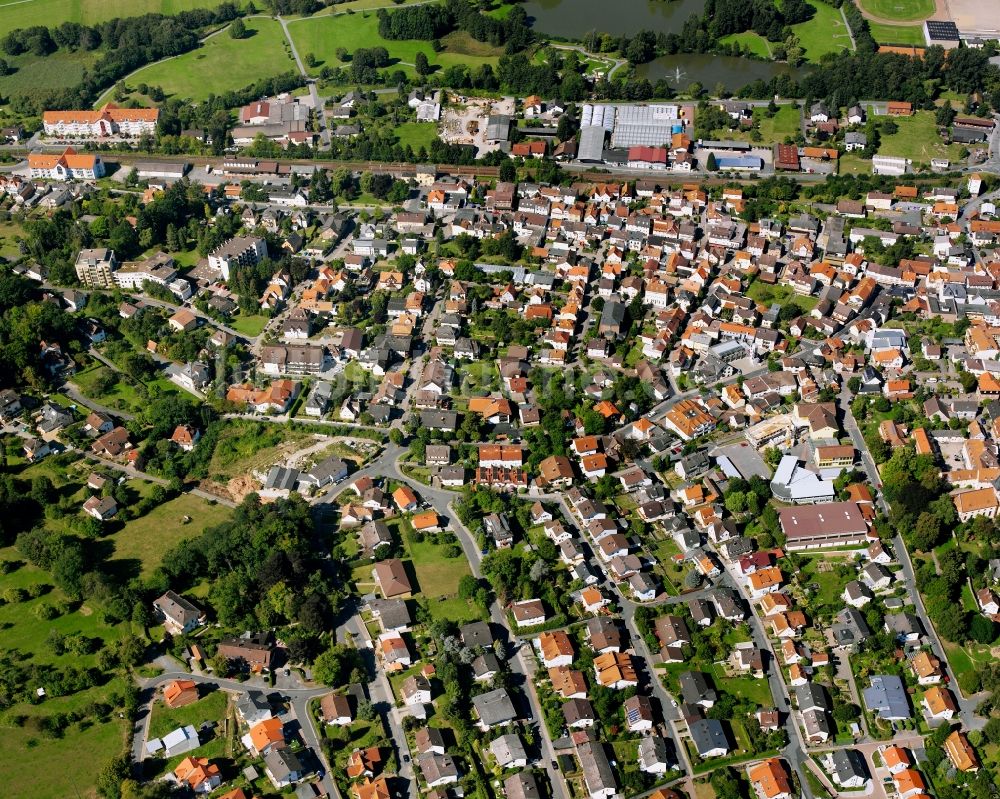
[786, 123]
[416, 134]
[250, 326]
[766, 294]
[210, 707]
[902, 10]
[825, 33]
[222, 63]
[121, 396]
[148, 538]
[897, 34]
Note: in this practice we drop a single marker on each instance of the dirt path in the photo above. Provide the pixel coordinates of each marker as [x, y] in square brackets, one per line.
[941, 11]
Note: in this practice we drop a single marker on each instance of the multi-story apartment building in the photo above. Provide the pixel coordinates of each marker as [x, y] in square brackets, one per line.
[96, 267]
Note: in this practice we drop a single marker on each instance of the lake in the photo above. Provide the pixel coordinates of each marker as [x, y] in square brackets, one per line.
[574, 19]
[684, 69]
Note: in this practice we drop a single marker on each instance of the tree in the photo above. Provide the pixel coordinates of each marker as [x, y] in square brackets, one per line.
[711, 164]
[508, 172]
[421, 65]
[982, 629]
[335, 666]
[926, 532]
[238, 30]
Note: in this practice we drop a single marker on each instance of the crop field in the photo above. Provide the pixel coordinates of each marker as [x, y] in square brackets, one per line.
[24, 13]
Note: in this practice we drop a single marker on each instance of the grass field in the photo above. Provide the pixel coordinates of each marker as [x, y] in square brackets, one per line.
[918, 140]
[416, 134]
[897, 34]
[824, 33]
[8, 247]
[784, 124]
[33, 74]
[222, 63]
[757, 691]
[438, 577]
[248, 325]
[146, 539]
[902, 10]
[781, 294]
[210, 707]
[23, 14]
[323, 35]
[756, 43]
[120, 396]
[72, 761]
[246, 446]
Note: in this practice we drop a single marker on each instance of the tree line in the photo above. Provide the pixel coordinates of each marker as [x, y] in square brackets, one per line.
[432, 21]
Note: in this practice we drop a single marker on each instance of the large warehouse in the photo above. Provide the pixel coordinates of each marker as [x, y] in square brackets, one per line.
[646, 125]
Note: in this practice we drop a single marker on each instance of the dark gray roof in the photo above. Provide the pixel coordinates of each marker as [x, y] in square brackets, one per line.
[886, 696]
[708, 734]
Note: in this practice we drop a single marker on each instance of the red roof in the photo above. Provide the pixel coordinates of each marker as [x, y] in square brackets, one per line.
[650, 154]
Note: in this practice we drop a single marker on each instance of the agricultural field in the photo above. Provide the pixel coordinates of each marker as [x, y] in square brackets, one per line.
[918, 140]
[756, 43]
[25, 13]
[143, 541]
[825, 33]
[902, 10]
[40, 74]
[322, 36]
[221, 64]
[897, 34]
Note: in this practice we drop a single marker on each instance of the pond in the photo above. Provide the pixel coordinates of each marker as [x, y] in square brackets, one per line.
[574, 19]
[732, 72]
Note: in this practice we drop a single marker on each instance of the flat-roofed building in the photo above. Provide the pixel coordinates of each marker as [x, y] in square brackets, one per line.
[830, 524]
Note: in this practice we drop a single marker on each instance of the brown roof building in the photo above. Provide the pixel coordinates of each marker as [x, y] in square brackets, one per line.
[391, 578]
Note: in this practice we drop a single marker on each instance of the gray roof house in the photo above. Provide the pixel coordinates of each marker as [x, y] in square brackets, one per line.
[695, 689]
[493, 709]
[283, 767]
[709, 737]
[886, 696]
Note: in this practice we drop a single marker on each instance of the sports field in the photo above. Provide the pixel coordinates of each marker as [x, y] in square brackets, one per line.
[25, 13]
[897, 34]
[825, 33]
[902, 10]
[222, 63]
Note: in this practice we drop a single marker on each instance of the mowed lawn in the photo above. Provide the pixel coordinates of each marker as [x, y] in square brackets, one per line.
[786, 122]
[222, 63]
[147, 538]
[88, 12]
[918, 140]
[903, 10]
[416, 134]
[209, 707]
[322, 36]
[825, 33]
[438, 576]
[897, 34]
[756, 43]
